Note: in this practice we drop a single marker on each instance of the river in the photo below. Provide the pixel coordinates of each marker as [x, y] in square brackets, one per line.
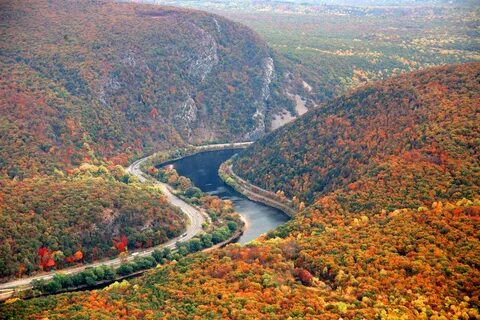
[202, 169]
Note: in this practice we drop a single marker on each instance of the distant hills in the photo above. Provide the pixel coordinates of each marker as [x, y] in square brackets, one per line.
[352, 3]
[379, 2]
[373, 2]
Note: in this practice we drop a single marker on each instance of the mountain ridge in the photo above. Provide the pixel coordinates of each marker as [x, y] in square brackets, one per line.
[113, 81]
[395, 236]
[410, 120]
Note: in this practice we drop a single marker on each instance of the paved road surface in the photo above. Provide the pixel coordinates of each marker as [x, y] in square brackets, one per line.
[195, 217]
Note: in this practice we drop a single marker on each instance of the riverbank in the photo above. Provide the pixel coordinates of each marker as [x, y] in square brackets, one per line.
[20, 287]
[253, 192]
[165, 157]
[202, 170]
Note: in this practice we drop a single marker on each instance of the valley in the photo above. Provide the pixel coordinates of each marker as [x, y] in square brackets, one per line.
[100, 100]
[176, 159]
[202, 169]
[196, 217]
[362, 242]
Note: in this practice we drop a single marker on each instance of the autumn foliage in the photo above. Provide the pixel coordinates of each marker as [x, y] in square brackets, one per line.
[393, 144]
[109, 81]
[92, 214]
[378, 240]
[121, 244]
[46, 260]
[387, 177]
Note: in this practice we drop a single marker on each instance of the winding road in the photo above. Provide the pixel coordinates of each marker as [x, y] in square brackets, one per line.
[196, 219]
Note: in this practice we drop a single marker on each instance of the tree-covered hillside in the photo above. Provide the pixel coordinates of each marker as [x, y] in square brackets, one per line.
[407, 265]
[56, 222]
[86, 85]
[397, 143]
[403, 152]
[96, 79]
[335, 46]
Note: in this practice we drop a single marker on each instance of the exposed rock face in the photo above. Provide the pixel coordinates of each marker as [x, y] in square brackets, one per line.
[217, 25]
[260, 103]
[204, 57]
[201, 61]
[128, 77]
[109, 85]
[187, 117]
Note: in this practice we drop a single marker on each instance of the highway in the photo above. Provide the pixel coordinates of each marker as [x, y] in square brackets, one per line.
[196, 218]
[194, 227]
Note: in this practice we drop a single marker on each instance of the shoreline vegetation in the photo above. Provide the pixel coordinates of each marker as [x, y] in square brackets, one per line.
[102, 276]
[257, 194]
[168, 156]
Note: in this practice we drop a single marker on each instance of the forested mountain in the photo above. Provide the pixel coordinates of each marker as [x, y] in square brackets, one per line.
[397, 143]
[334, 46]
[88, 85]
[55, 222]
[109, 80]
[391, 231]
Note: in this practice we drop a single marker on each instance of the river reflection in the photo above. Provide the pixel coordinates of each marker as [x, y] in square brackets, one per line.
[202, 169]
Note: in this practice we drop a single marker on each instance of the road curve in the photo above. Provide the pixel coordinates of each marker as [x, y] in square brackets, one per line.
[196, 220]
[194, 226]
[195, 217]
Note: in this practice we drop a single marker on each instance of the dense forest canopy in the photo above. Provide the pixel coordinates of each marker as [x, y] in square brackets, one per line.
[109, 80]
[407, 140]
[91, 83]
[334, 46]
[391, 234]
[386, 178]
[55, 222]
[88, 85]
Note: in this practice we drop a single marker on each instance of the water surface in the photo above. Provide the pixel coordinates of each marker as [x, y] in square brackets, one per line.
[202, 169]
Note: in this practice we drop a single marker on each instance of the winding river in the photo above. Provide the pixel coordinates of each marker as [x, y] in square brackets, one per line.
[202, 169]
